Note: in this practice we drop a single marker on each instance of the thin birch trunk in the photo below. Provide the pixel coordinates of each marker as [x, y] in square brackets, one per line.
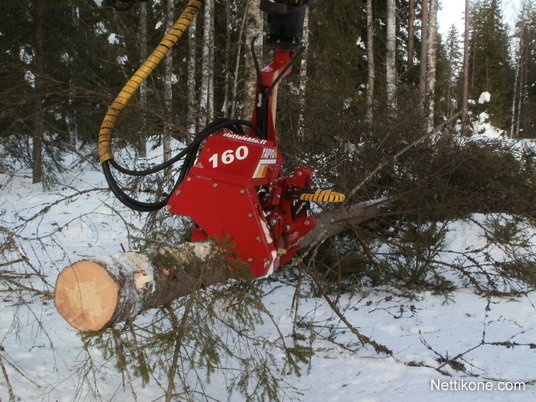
[370, 62]
[253, 27]
[143, 87]
[225, 109]
[523, 86]
[191, 87]
[390, 59]
[212, 45]
[72, 116]
[234, 90]
[465, 90]
[411, 33]
[168, 86]
[424, 52]
[431, 76]
[513, 127]
[303, 79]
[205, 67]
[37, 137]
[520, 74]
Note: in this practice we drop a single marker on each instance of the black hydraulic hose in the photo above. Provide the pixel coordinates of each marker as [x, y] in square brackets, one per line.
[216, 125]
[189, 154]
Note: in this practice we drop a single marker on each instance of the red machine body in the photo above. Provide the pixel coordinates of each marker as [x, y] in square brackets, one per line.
[236, 191]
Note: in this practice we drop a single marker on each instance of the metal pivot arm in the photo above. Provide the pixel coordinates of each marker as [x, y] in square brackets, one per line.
[285, 21]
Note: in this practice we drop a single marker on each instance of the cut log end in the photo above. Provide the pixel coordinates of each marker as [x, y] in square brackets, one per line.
[86, 295]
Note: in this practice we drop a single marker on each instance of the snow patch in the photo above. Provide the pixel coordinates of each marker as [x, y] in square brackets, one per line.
[113, 39]
[485, 97]
[359, 43]
[485, 129]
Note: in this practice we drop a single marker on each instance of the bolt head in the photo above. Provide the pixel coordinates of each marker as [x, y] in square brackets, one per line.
[307, 222]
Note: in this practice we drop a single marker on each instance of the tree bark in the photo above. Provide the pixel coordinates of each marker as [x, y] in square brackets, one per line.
[211, 44]
[168, 86]
[206, 64]
[424, 51]
[225, 109]
[192, 97]
[411, 33]
[465, 90]
[431, 70]
[143, 86]
[237, 65]
[98, 293]
[303, 80]
[37, 140]
[253, 27]
[370, 63]
[390, 59]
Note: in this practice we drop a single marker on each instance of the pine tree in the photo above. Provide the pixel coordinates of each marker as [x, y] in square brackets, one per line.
[451, 72]
[524, 99]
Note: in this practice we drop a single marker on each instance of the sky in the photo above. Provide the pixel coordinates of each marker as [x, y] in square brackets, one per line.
[452, 12]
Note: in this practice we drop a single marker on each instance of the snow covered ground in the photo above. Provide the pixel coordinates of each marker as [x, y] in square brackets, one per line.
[457, 347]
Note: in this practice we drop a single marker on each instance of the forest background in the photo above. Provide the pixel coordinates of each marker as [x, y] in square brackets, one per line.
[381, 105]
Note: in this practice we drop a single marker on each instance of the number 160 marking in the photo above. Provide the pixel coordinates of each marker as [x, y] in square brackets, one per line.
[229, 156]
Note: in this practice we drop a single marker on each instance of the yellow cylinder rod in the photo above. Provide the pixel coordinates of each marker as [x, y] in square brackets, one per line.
[323, 196]
[133, 84]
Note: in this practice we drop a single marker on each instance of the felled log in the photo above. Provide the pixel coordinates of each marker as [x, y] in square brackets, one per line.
[333, 222]
[96, 294]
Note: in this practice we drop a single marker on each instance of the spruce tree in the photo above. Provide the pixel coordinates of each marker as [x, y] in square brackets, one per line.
[489, 65]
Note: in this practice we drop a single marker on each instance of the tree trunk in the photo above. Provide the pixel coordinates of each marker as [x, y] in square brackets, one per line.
[513, 126]
[424, 52]
[143, 87]
[211, 46]
[390, 59]
[303, 80]
[253, 27]
[465, 90]
[37, 141]
[225, 109]
[168, 86]
[206, 64]
[237, 66]
[98, 293]
[192, 96]
[411, 33]
[95, 294]
[370, 62]
[431, 70]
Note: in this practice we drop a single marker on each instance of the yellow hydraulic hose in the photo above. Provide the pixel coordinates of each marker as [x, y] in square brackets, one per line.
[323, 196]
[133, 84]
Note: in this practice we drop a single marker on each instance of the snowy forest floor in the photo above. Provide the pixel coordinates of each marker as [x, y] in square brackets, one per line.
[460, 345]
